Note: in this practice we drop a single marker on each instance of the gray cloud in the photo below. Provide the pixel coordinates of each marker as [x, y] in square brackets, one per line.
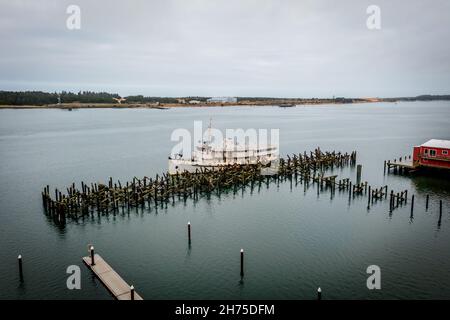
[217, 47]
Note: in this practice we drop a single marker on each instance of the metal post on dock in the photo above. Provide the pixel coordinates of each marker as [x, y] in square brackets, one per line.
[319, 294]
[131, 292]
[189, 231]
[426, 202]
[92, 255]
[242, 262]
[19, 259]
[440, 213]
[412, 204]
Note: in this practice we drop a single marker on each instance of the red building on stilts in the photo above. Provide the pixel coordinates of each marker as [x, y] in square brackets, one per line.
[433, 153]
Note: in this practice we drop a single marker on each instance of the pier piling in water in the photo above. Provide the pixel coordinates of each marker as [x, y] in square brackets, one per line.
[109, 197]
[242, 262]
[319, 294]
[19, 260]
[358, 174]
[189, 231]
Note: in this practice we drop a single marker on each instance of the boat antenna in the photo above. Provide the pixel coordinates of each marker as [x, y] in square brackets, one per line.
[209, 129]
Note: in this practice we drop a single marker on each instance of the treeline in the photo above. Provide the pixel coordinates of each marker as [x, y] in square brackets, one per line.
[425, 97]
[42, 98]
[142, 99]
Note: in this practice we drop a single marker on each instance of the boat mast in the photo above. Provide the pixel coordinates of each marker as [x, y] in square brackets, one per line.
[209, 130]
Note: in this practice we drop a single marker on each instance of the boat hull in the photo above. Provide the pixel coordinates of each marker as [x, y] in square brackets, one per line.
[180, 166]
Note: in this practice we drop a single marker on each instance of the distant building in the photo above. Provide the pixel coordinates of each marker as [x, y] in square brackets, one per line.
[182, 101]
[194, 102]
[222, 99]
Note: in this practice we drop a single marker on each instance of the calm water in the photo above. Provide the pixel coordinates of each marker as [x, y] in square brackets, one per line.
[294, 240]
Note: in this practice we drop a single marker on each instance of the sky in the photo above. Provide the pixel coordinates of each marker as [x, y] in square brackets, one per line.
[266, 48]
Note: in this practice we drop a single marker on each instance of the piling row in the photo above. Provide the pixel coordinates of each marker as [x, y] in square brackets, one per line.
[115, 196]
[397, 199]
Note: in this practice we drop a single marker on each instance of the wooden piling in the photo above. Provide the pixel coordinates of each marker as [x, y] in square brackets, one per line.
[358, 174]
[189, 231]
[242, 262]
[131, 292]
[108, 197]
[19, 260]
[92, 256]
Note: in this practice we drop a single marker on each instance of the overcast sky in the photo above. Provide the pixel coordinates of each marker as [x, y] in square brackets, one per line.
[285, 48]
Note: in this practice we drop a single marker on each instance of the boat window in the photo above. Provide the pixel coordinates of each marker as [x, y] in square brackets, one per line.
[432, 153]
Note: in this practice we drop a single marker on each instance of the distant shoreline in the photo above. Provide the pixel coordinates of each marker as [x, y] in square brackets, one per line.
[105, 100]
[163, 106]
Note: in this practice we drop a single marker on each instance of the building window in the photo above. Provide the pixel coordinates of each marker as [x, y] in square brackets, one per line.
[432, 153]
[425, 151]
[445, 152]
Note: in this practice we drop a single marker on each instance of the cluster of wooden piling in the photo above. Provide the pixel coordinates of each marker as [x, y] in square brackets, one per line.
[116, 196]
[161, 190]
[397, 199]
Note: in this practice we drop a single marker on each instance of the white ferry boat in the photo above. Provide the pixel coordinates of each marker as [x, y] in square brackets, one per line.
[230, 152]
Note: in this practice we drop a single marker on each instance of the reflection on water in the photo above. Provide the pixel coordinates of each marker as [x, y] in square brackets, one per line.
[296, 238]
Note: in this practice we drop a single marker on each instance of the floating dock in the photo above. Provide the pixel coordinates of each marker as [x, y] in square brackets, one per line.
[110, 279]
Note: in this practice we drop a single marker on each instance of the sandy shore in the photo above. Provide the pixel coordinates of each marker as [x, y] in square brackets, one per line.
[166, 105]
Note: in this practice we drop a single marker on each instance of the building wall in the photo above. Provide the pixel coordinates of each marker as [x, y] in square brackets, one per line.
[440, 159]
[416, 156]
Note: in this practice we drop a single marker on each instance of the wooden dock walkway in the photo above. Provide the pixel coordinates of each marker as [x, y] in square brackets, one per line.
[403, 165]
[110, 279]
